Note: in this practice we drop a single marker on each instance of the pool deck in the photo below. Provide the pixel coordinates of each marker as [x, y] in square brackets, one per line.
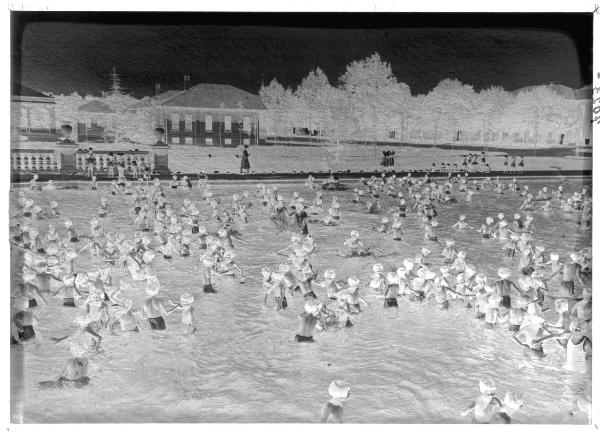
[43, 177]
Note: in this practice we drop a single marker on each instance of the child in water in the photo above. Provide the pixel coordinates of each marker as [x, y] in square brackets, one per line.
[339, 391]
[486, 404]
[187, 312]
[511, 404]
[308, 321]
[74, 372]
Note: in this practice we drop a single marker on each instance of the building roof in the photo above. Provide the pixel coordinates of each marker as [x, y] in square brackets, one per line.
[209, 95]
[23, 93]
[164, 96]
[584, 93]
[97, 107]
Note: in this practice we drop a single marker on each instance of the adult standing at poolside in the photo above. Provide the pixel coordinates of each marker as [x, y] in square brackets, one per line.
[245, 165]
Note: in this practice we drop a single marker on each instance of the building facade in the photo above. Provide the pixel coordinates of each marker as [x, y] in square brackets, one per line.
[32, 115]
[211, 115]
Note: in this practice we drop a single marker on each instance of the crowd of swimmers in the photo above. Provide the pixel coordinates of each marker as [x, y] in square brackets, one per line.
[160, 229]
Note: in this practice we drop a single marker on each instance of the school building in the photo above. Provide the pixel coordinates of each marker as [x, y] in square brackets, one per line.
[209, 114]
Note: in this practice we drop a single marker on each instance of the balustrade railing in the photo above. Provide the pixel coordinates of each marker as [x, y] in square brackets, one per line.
[102, 160]
[34, 160]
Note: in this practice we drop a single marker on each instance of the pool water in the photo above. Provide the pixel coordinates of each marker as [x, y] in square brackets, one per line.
[413, 364]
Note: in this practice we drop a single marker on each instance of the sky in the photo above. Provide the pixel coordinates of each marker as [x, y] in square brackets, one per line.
[68, 52]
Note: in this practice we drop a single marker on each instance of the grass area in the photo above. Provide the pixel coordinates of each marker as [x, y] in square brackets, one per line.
[286, 159]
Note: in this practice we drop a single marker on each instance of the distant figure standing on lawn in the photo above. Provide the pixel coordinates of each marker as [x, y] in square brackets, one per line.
[245, 165]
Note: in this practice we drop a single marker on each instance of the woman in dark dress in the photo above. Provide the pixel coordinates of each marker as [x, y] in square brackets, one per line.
[245, 161]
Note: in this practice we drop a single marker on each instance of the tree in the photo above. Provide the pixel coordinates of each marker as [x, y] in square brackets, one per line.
[313, 96]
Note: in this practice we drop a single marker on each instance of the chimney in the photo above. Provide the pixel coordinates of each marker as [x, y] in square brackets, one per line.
[157, 86]
[186, 81]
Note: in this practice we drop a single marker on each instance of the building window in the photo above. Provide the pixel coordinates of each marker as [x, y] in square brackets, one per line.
[246, 141]
[208, 123]
[227, 141]
[227, 123]
[189, 140]
[174, 140]
[247, 124]
[392, 134]
[188, 122]
[174, 121]
[587, 141]
[208, 141]
[88, 123]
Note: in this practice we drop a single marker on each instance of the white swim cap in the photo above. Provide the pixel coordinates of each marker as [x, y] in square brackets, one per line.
[489, 220]
[339, 389]
[378, 268]
[461, 254]
[450, 242]
[186, 299]
[353, 281]
[354, 234]
[329, 274]
[77, 349]
[487, 386]
[504, 273]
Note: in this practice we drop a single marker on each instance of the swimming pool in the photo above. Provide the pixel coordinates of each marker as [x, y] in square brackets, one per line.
[414, 364]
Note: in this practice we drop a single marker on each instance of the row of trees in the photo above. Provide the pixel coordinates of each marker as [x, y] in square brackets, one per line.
[369, 103]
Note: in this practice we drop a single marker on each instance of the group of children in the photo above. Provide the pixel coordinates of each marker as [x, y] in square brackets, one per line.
[161, 231]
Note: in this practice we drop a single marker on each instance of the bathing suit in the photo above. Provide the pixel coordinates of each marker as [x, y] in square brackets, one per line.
[166, 256]
[74, 239]
[445, 305]
[433, 238]
[527, 270]
[480, 315]
[505, 301]
[490, 325]
[514, 327]
[202, 246]
[27, 214]
[69, 302]
[390, 302]
[32, 303]
[349, 323]
[157, 323]
[208, 289]
[281, 302]
[568, 286]
[195, 229]
[137, 209]
[486, 236]
[300, 338]
[27, 333]
[310, 294]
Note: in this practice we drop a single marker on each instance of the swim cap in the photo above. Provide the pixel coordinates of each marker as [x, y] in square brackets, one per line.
[574, 257]
[434, 223]
[480, 278]
[354, 234]
[392, 277]
[462, 217]
[425, 251]
[504, 273]
[489, 220]
[312, 307]
[69, 279]
[266, 272]
[378, 268]
[517, 216]
[449, 242]
[487, 386]
[329, 274]
[186, 299]
[429, 275]
[408, 264]
[561, 305]
[384, 220]
[462, 254]
[554, 256]
[77, 349]
[53, 204]
[353, 281]
[339, 389]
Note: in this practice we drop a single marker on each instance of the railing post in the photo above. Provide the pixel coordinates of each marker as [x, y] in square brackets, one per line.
[65, 156]
[161, 158]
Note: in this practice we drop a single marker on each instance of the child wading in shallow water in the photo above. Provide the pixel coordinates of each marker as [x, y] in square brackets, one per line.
[339, 391]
